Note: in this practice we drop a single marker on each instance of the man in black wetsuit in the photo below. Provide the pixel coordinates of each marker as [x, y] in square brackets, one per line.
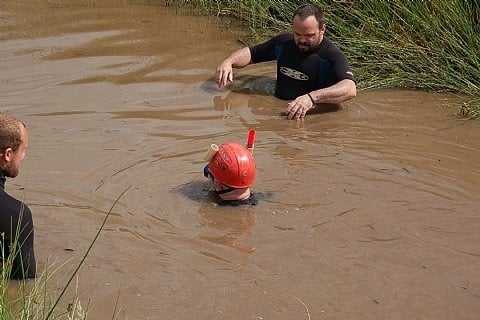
[310, 68]
[16, 223]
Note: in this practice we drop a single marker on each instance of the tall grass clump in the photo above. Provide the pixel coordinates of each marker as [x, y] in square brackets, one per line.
[33, 299]
[428, 45]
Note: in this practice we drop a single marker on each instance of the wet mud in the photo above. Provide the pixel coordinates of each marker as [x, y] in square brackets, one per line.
[373, 206]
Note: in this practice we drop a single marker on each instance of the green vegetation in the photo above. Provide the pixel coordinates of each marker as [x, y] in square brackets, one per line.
[33, 299]
[428, 45]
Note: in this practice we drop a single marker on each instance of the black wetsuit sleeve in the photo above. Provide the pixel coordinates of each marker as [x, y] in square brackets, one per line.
[340, 67]
[24, 264]
[267, 51]
[16, 225]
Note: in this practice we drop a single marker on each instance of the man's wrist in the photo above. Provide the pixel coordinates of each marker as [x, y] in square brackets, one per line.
[311, 98]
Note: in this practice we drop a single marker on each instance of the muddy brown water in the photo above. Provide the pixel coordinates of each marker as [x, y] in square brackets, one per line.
[373, 207]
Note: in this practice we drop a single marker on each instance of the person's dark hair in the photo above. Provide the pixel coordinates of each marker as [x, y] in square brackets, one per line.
[9, 132]
[309, 9]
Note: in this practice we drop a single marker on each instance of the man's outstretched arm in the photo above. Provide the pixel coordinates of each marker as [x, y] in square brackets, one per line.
[224, 72]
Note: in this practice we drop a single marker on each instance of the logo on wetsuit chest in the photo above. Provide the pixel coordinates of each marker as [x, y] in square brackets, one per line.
[297, 75]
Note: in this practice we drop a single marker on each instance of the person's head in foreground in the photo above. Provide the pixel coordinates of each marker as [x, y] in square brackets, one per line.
[13, 144]
[232, 170]
[16, 222]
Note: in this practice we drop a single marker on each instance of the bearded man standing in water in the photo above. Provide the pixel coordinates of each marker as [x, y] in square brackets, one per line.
[310, 68]
[16, 223]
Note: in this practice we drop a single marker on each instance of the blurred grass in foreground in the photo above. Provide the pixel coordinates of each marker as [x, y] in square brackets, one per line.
[428, 45]
[33, 299]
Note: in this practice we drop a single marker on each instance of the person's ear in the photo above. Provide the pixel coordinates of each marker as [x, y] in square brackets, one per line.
[6, 155]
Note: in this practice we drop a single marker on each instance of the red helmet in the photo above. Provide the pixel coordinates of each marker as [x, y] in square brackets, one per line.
[233, 165]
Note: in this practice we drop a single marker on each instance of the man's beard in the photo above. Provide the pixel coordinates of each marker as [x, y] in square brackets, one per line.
[10, 170]
[304, 47]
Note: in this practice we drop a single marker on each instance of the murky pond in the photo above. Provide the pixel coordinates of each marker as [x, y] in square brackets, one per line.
[373, 206]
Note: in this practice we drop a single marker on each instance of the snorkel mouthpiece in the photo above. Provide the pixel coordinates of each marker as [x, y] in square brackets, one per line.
[211, 152]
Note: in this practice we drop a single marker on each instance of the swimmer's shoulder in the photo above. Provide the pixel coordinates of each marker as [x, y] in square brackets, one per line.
[253, 200]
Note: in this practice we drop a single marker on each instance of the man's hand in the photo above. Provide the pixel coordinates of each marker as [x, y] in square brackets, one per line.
[224, 74]
[239, 59]
[299, 107]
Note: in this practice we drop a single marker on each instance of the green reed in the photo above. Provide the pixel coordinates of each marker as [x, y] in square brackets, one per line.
[31, 299]
[428, 45]
[34, 299]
